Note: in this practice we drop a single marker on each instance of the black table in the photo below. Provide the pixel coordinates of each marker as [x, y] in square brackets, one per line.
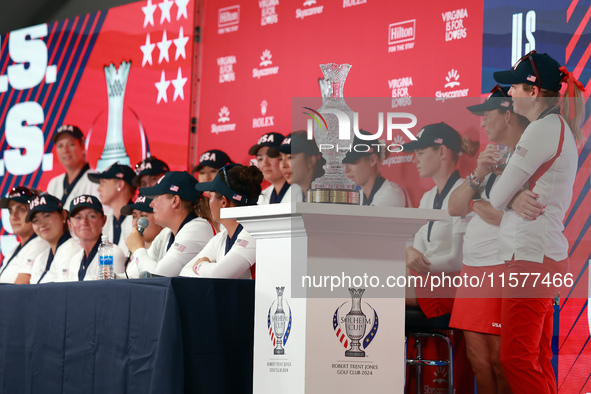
[159, 335]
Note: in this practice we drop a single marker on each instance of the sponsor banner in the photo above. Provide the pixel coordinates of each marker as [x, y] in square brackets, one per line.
[130, 79]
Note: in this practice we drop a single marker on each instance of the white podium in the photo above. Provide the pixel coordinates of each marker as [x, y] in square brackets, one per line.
[312, 333]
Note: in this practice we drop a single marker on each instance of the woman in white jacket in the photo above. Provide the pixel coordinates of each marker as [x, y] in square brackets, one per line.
[231, 253]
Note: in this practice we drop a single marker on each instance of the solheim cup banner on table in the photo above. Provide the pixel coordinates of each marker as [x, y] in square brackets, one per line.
[121, 75]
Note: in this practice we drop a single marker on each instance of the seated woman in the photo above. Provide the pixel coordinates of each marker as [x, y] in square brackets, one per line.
[148, 171]
[141, 209]
[210, 163]
[47, 214]
[278, 191]
[363, 168]
[300, 162]
[184, 212]
[18, 262]
[86, 220]
[231, 253]
[116, 190]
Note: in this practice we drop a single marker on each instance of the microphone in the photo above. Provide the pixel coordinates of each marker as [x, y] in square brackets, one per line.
[142, 225]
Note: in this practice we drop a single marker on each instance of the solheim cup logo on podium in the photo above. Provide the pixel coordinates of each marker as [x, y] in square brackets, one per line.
[276, 323]
[114, 151]
[351, 328]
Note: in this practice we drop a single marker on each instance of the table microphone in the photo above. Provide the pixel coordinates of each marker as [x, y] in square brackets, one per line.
[142, 225]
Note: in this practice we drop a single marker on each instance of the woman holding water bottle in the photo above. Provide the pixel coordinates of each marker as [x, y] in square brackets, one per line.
[531, 241]
[86, 220]
[477, 311]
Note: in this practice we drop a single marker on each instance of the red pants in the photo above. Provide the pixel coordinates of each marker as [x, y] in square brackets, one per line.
[526, 333]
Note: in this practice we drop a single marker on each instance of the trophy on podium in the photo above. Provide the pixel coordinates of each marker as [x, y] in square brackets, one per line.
[279, 319]
[355, 323]
[333, 186]
[114, 151]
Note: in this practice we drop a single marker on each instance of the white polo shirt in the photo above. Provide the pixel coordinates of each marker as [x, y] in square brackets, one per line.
[83, 186]
[445, 235]
[60, 267]
[389, 194]
[126, 226]
[232, 265]
[92, 270]
[531, 240]
[189, 241]
[23, 262]
[481, 238]
[265, 197]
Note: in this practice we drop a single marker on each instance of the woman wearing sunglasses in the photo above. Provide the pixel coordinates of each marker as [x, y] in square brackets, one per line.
[231, 253]
[531, 241]
[18, 263]
[188, 226]
[48, 217]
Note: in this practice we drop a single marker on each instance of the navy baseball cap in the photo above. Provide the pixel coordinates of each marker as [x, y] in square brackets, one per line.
[67, 129]
[142, 203]
[85, 201]
[149, 166]
[214, 158]
[270, 139]
[498, 99]
[295, 142]
[116, 171]
[44, 203]
[19, 194]
[285, 147]
[436, 134]
[534, 68]
[221, 186]
[179, 183]
[352, 156]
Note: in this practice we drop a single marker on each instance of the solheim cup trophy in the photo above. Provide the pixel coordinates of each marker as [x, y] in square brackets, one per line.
[355, 324]
[333, 186]
[114, 151]
[279, 322]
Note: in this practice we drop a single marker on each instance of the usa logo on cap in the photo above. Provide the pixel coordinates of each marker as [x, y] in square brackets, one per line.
[174, 188]
[531, 78]
[237, 197]
[438, 140]
[119, 175]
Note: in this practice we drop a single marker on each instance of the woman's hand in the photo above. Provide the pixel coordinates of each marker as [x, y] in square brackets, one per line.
[486, 161]
[526, 205]
[134, 241]
[417, 261]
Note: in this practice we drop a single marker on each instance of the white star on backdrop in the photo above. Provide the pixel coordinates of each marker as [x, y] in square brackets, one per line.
[149, 13]
[182, 9]
[147, 49]
[162, 86]
[180, 44]
[165, 9]
[163, 46]
[178, 84]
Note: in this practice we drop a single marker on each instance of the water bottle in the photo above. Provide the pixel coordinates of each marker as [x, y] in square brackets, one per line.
[105, 253]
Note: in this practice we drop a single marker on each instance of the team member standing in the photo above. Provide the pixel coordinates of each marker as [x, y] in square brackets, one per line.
[184, 212]
[480, 317]
[48, 217]
[278, 191]
[363, 169]
[148, 171]
[116, 190]
[530, 237]
[141, 209]
[209, 164]
[18, 263]
[71, 152]
[231, 253]
[86, 219]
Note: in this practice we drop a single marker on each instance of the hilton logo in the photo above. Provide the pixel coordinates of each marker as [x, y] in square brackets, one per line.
[401, 35]
[228, 19]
